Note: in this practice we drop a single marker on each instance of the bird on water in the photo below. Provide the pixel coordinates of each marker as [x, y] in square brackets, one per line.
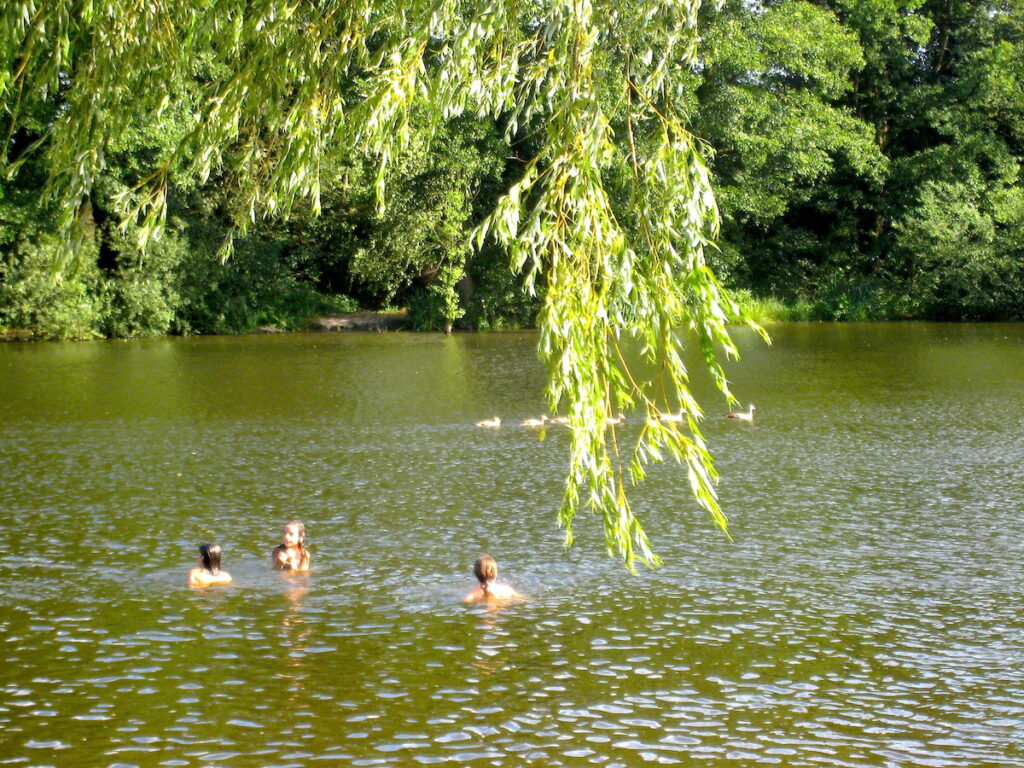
[671, 417]
[742, 416]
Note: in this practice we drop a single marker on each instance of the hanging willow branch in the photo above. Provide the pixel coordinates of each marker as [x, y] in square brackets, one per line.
[611, 215]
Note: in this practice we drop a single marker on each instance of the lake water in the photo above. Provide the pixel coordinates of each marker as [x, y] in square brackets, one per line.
[868, 613]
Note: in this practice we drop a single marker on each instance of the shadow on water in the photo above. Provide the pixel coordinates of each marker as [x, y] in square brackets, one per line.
[866, 615]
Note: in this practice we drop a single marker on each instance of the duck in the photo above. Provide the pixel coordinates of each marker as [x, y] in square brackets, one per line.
[559, 420]
[741, 416]
[672, 417]
[490, 423]
[534, 422]
[616, 420]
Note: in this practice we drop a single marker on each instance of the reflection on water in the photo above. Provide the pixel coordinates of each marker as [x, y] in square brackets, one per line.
[492, 639]
[295, 639]
[867, 615]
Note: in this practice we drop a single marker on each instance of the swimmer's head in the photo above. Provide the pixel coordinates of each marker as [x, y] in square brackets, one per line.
[485, 569]
[293, 534]
[210, 555]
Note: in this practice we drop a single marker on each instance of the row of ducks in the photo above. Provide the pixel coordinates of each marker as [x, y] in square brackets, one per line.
[495, 423]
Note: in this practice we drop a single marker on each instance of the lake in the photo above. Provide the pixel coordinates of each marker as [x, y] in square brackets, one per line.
[867, 613]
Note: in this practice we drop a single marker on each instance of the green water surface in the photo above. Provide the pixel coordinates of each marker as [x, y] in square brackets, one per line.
[868, 613]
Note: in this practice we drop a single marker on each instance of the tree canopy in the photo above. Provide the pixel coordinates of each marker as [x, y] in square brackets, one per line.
[607, 213]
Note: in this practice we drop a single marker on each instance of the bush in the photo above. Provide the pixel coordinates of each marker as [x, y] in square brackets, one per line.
[772, 310]
[494, 297]
[962, 247]
[32, 298]
[140, 296]
[263, 283]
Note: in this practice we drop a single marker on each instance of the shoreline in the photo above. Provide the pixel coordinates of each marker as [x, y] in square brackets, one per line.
[392, 322]
[378, 322]
[356, 322]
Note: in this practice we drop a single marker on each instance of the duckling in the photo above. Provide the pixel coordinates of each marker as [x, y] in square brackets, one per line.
[741, 416]
[490, 423]
[620, 419]
[671, 417]
[534, 422]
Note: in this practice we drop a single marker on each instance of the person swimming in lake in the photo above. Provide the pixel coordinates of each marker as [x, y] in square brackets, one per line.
[291, 554]
[210, 573]
[486, 571]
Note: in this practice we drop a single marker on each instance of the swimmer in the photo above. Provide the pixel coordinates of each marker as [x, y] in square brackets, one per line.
[210, 573]
[291, 554]
[486, 571]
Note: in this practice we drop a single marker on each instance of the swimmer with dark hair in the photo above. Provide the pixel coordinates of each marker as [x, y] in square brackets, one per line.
[210, 573]
[490, 590]
[291, 553]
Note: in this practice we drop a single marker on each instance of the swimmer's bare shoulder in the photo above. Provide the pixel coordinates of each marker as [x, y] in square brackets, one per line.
[494, 592]
[198, 578]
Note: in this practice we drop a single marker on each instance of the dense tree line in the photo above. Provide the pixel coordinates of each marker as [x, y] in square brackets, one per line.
[866, 155]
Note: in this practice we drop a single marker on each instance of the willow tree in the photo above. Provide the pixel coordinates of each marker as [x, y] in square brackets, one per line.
[609, 218]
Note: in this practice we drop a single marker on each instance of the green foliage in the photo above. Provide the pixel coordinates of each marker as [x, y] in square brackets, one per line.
[955, 192]
[851, 298]
[139, 295]
[772, 310]
[262, 284]
[857, 144]
[494, 296]
[767, 101]
[31, 299]
[964, 245]
[435, 306]
[421, 231]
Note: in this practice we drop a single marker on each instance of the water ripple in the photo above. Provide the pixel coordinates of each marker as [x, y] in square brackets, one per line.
[866, 615]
